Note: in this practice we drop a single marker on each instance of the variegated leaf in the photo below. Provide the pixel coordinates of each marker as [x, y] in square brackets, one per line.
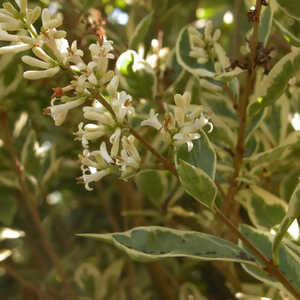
[290, 7]
[265, 210]
[155, 243]
[273, 85]
[289, 262]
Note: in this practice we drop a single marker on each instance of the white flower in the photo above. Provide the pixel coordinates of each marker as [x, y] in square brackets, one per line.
[49, 22]
[90, 132]
[75, 50]
[112, 87]
[121, 105]
[185, 137]
[60, 111]
[95, 165]
[89, 177]
[104, 153]
[35, 75]
[130, 159]
[115, 141]
[98, 114]
[152, 120]
[103, 50]
[183, 101]
[208, 31]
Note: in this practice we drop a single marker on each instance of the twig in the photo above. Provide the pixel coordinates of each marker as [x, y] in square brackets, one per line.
[29, 204]
[161, 158]
[231, 95]
[236, 38]
[270, 268]
[229, 204]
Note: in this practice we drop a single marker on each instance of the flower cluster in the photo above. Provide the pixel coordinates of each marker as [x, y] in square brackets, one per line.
[108, 148]
[89, 80]
[181, 126]
[205, 47]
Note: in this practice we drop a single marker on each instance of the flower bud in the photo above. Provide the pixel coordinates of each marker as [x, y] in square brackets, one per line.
[35, 75]
[6, 37]
[33, 15]
[34, 62]
[14, 48]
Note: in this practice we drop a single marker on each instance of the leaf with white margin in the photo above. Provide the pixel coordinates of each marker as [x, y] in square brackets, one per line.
[136, 75]
[288, 36]
[202, 155]
[153, 243]
[291, 7]
[289, 262]
[265, 25]
[288, 184]
[254, 123]
[264, 209]
[197, 183]
[277, 121]
[260, 160]
[139, 35]
[227, 76]
[273, 85]
[189, 63]
[292, 214]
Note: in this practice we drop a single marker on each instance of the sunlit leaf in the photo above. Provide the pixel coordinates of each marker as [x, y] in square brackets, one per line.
[154, 243]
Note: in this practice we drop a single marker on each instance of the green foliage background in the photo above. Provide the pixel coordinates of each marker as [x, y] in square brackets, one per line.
[49, 156]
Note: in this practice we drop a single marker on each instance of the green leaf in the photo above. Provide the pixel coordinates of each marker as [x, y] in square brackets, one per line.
[260, 160]
[8, 207]
[190, 64]
[292, 214]
[288, 36]
[265, 25]
[154, 243]
[161, 180]
[254, 123]
[288, 184]
[276, 122]
[294, 204]
[290, 7]
[140, 32]
[197, 183]
[136, 75]
[273, 85]
[289, 262]
[202, 155]
[264, 209]
[29, 157]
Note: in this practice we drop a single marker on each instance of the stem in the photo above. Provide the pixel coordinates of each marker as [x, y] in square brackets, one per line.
[230, 206]
[29, 204]
[231, 95]
[269, 265]
[236, 38]
[165, 161]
